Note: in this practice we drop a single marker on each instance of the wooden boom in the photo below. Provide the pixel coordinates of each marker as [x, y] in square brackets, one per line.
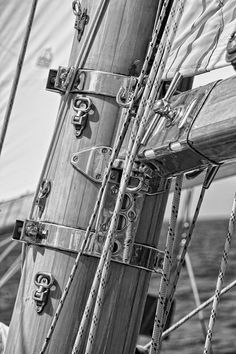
[67, 197]
[203, 133]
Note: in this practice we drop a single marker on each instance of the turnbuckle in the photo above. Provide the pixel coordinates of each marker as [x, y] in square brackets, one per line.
[44, 281]
[82, 106]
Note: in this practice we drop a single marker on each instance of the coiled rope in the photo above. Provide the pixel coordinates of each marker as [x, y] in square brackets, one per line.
[19, 66]
[104, 264]
[220, 280]
[167, 264]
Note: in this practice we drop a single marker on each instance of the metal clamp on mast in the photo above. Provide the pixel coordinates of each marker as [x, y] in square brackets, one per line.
[68, 239]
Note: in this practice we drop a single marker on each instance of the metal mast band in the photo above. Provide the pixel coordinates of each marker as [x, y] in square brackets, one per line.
[69, 239]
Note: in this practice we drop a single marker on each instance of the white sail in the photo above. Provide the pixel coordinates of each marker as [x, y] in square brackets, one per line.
[34, 111]
[202, 36]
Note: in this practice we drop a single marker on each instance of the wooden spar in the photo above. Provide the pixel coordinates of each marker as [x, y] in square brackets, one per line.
[122, 37]
[208, 134]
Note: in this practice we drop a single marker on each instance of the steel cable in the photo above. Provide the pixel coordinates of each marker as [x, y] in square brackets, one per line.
[191, 314]
[104, 264]
[220, 280]
[184, 251]
[19, 66]
[169, 249]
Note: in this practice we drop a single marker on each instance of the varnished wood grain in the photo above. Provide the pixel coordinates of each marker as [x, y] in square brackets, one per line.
[121, 38]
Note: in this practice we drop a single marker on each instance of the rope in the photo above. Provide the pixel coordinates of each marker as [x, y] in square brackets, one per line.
[5, 242]
[63, 109]
[61, 117]
[19, 66]
[167, 264]
[195, 292]
[220, 280]
[6, 252]
[191, 314]
[185, 226]
[104, 264]
[185, 248]
[10, 272]
[98, 205]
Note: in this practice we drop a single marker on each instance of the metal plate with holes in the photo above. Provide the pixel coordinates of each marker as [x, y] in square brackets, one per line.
[69, 239]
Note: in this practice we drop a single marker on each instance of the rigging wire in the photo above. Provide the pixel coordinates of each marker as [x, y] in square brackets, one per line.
[104, 263]
[16, 79]
[185, 226]
[220, 280]
[115, 151]
[15, 266]
[191, 314]
[185, 248]
[63, 108]
[166, 273]
[99, 12]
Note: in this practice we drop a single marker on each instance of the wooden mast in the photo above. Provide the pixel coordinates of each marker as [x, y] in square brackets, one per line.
[67, 199]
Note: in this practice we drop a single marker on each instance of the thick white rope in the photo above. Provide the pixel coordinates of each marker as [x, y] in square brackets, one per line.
[220, 280]
[167, 264]
[104, 264]
[17, 74]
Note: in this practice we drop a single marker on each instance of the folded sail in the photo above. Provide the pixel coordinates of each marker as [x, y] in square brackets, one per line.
[202, 36]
